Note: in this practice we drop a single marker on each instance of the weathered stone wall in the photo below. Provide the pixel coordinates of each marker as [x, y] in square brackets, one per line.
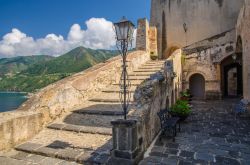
[243, 31]
[64, 95]
[190, 21]
[205, 58]
[200, 62]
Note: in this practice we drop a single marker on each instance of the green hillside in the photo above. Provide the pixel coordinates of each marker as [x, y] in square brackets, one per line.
[11, 66]
[45, 72]
[74, 61]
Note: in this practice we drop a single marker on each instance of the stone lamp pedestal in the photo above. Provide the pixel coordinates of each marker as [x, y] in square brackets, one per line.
[125, 143]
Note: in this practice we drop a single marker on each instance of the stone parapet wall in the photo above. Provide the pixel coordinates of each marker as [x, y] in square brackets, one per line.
[19, 128]
[151, 98]
[65, 95]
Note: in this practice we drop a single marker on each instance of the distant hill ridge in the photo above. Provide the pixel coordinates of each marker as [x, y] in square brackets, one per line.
[17, 64]
[28, 73]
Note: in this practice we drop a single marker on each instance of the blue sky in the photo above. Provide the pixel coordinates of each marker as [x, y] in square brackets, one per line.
[35, 19]
[40, 17]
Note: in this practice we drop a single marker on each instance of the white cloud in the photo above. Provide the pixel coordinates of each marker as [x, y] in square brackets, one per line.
[99, 34]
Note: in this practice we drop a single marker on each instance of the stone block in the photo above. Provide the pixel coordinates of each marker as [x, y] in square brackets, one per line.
[21, 155]
[9, 161]
[86, 157]
[68, 154]
[73, 128]
[35, 158]
[28, 147]
[56, 126]
[46, 151]
[48, 161]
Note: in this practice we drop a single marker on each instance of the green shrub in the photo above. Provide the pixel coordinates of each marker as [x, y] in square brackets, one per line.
[181, 108]
[185, 93]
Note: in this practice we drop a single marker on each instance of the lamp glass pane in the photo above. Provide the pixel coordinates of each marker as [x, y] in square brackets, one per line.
[117, 30]
[131, 31]
[124, 30]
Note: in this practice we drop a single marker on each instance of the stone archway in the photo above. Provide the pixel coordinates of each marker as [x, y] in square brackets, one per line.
[197, 86]
[232, 72]
[232, 80]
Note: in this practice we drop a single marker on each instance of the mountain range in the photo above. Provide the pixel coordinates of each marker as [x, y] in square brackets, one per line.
[30, 73]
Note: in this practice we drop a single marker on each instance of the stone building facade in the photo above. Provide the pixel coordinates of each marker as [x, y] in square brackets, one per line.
[243, 45]
[214, 50]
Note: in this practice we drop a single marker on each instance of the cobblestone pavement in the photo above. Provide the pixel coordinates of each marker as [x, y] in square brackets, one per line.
[82, 136]
[211, 135]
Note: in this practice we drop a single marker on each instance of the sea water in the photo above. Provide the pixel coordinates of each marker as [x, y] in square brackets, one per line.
[11, 100]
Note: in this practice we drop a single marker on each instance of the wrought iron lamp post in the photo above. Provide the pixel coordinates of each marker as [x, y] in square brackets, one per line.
[124, 36]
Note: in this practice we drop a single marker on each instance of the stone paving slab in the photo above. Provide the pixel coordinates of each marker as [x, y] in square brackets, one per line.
[211, 135]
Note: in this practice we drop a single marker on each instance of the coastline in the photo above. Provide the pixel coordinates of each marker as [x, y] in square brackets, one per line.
[27, 94]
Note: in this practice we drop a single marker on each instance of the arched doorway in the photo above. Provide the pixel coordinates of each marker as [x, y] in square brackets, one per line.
[231, 73]
[197, 86]
[232, 80]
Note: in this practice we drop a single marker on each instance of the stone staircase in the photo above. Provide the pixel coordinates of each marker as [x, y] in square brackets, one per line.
[82, 136]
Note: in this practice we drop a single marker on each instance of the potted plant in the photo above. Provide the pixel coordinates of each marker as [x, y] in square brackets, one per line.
[180, 109]
[153, 56]
[185, 95]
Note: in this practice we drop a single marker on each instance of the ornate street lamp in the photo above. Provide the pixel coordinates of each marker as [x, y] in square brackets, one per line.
[124, 36]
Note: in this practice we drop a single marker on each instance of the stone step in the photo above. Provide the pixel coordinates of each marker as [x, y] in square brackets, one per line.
[115, 91]
[108, 100]
[144, 70]
[70, 146]
[148, 69]
[138, 77]
[152, 66]
[108, 97]
[140, 74]
[18, 157]
[87, 121]
[133, 83]
[103, 108]
[156, 62]
[82, 129]
[98, 112]
[67, 155]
